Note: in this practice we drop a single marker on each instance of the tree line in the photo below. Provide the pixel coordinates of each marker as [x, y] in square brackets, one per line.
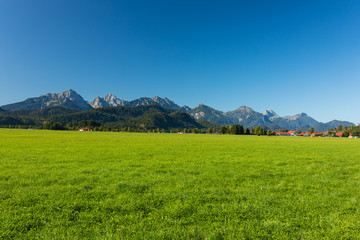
[347, 131]
[92, 125]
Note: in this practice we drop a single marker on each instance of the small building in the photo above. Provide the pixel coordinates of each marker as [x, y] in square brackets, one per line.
[339, 134]
[315, 134]
[292, 133]
[84, 129]
[304, 134]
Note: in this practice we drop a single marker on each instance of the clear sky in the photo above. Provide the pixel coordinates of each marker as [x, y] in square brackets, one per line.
[290, 56]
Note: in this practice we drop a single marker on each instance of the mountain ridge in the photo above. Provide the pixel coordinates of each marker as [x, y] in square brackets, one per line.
[243, 115]
[111, 100]
[68, 98]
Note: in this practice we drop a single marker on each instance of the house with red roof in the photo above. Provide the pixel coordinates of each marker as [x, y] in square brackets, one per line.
[292, 133]
[289, 133]
[339, 134]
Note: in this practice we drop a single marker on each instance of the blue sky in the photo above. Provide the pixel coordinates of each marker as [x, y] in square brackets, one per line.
[290, 56]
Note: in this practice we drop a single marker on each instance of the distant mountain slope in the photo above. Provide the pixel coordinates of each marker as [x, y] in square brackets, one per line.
[175, 120]
[203, 112]
[185, 108]
[294, 122]
[6, 121]
[247, 117]
[46, 112]
[321, 127]
[110, 114]
[2, 110]
[208, 124]
[148, 117]
[67, 99]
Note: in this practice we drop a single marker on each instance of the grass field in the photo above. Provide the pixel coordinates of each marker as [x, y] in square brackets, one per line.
[94, 185]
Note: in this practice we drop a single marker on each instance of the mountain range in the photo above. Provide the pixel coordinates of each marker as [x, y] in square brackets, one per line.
[243, 115]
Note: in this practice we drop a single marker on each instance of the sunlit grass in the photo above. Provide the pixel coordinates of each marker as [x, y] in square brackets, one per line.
[76, 185]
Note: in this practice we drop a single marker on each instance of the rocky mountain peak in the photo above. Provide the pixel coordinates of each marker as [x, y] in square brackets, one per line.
[244, 109]
[270, 113]
[110, 97]
[97, 102]
[67, 94]
[110, 100]
[203, 106]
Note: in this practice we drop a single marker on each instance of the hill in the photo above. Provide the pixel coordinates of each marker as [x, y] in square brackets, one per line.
[331, 125]
[140, 117]
[144, 117]
[46, 112]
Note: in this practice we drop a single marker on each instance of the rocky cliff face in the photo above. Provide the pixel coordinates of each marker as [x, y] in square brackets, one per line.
[109, 100]
[270, 113]
[112, 101]
[98, 102]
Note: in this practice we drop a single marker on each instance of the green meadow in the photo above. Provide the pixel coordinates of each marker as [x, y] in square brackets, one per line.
[101, 185]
